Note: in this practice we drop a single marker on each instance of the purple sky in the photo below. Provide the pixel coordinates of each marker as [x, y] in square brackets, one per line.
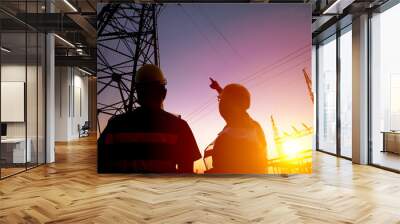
[231, 42]
[262, 46]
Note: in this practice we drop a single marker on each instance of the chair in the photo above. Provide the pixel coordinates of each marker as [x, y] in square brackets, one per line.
[84, 130]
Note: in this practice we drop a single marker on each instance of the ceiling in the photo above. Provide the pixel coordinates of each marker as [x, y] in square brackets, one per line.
[330, 15]
[72, 20]
[77, 24]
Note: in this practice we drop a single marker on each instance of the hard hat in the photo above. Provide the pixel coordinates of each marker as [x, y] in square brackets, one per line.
[236, 94]
[149, 73]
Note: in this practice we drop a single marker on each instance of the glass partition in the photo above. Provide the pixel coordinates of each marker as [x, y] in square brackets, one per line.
[31, 98]
[22, 88]
[14, 146]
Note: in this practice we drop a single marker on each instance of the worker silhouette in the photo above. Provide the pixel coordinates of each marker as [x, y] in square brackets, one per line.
[240, 147]
[147, 139]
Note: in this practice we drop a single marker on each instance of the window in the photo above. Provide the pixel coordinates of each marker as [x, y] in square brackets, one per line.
[346, 92]
[327, 95]
[385, 89]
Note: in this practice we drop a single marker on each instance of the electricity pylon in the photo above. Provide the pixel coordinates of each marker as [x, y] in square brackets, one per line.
[279, 138]
[309, 85]
[126, 39]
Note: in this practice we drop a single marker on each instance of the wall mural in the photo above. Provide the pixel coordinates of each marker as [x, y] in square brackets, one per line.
[204, 88]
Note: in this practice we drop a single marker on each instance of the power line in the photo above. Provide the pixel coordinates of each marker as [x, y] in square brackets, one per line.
[207, 104]
[214, 26]
[199, 118]
[278, 62]
[197, 27]
[247, 79]
[260, 76]
[258, 84]
[229, 43]
[286, 70]
[199, 109]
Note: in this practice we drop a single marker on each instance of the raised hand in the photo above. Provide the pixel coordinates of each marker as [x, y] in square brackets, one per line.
[215, 85]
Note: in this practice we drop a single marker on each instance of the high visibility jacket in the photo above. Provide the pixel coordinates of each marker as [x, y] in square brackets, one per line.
[240, 149]
[147, 140]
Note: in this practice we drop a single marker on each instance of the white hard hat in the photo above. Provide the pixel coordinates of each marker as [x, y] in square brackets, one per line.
[149, 73]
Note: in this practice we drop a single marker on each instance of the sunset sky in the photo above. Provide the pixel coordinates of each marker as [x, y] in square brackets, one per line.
[262, 46]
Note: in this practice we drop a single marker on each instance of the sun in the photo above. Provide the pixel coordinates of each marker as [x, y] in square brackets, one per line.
[293, 146]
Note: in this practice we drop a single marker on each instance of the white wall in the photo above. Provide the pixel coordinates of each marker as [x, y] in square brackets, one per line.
[62, 80]
[71, 94]
[16, 73]
[80, 102]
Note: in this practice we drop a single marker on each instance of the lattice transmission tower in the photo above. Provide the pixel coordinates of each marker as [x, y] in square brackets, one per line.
[126, 39]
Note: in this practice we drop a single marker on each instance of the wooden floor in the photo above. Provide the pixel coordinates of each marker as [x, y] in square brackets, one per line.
[386, 159]
[70, 191]
[5, 172]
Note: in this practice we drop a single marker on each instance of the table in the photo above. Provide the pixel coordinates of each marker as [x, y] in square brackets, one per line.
[391, 141]
[13, 150]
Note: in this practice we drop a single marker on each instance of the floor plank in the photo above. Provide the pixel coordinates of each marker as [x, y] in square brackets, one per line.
[70, 191]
